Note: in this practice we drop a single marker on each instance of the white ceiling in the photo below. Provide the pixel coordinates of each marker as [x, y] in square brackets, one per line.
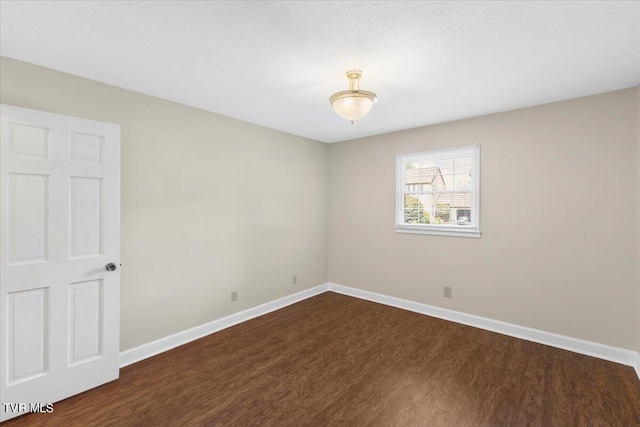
[276, 63]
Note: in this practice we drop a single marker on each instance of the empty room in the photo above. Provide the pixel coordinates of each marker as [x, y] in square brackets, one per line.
[319, 213]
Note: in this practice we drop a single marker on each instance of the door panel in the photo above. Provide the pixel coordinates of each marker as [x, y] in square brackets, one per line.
[85, 322]
[28, 331]
[28, 217]
[86, 217]
[60, 227]
[86, 148]
[28, 142]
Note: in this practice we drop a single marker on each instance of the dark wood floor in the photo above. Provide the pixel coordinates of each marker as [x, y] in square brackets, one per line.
[336, 360]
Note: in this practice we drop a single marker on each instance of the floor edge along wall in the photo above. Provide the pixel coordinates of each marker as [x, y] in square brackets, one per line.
[589, 348]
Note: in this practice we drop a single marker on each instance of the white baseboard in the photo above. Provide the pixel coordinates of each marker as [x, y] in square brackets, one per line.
[589, 348]
[144, 351]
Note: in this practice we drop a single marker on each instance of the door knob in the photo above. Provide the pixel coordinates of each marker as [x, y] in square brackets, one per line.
[111, 267]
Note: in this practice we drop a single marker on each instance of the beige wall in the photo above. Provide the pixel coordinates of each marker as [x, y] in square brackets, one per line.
[558, 250]
[209, 204]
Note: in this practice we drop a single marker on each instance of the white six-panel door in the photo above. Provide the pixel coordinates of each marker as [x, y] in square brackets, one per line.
[60, 228]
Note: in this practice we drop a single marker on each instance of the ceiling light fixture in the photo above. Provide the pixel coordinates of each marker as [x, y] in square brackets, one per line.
[353, 104]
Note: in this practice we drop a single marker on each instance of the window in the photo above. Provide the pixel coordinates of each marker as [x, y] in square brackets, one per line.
[438, 192]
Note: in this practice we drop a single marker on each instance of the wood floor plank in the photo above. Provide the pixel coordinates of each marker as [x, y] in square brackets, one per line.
[526, 394]
[333, 360]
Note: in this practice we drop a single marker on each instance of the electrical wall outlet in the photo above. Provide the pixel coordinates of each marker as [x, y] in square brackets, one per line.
[294, 279]
[234, 296]
[446, 292]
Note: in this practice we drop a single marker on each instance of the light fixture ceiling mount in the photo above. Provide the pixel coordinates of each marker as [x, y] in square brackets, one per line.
[353, 104]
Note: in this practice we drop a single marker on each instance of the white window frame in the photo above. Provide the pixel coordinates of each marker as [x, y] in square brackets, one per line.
[472, 230]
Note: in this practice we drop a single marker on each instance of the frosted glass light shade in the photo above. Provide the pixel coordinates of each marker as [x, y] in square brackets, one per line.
[353, 105]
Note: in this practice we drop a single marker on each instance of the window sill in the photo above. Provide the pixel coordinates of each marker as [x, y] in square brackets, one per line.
[438, 231]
